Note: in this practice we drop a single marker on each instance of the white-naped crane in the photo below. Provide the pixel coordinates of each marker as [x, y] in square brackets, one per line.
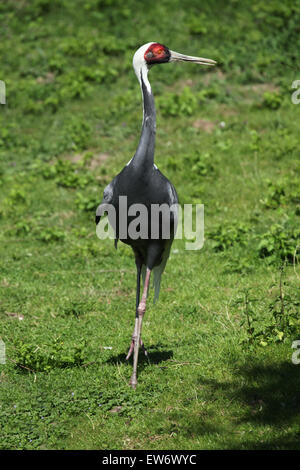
[142, 183]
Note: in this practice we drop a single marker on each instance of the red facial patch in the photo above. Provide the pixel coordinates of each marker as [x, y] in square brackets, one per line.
[157, 53]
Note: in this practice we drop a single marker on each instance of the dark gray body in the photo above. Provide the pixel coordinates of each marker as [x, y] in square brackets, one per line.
[145, 187]
[143, 183]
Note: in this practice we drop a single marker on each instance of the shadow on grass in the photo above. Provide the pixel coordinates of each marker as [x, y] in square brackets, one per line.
[269, 398]
[156, 355]
[257, 408]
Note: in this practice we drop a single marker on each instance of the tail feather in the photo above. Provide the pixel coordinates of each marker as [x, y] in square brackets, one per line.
[157, 271]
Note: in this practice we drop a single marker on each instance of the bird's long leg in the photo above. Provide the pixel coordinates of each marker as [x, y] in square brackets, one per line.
[141, 312]
[138, 263]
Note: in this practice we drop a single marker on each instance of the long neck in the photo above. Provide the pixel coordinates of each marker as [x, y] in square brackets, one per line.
[144, 155]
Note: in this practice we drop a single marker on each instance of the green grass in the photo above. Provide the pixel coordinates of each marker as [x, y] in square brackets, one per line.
[220, 338]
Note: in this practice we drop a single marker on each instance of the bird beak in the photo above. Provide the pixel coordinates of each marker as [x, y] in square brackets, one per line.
[176, 57]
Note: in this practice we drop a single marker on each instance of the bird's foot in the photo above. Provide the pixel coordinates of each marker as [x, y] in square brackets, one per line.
[131, 348]
[133, 381]
[130, 351]
[143, 348]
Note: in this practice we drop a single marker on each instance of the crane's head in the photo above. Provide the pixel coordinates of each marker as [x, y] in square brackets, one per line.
[154, 53]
